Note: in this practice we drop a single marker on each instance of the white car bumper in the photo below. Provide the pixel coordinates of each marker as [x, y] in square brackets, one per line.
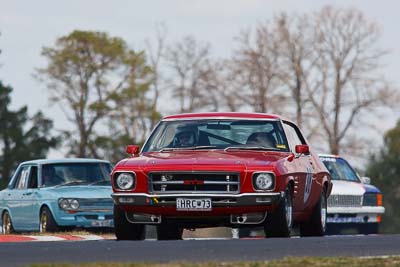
[354, 214]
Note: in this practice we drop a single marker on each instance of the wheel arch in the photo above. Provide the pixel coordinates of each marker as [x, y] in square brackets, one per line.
[47, 205]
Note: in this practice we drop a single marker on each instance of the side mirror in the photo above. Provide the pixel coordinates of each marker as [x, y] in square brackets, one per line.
[132, 150]
[302, 149]
[366, 180]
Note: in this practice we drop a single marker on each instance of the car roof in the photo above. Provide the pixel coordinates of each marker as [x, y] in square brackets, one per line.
[64, 160]
[219, 115]
[328, 156]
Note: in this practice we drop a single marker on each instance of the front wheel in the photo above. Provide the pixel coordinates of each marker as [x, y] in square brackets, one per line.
[124, 230]
[280, 222]
[7, 227]
[47, 222]
[316, 226]
[369, 229]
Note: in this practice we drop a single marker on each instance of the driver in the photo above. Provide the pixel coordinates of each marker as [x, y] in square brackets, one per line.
[49, 176]
[185, 138]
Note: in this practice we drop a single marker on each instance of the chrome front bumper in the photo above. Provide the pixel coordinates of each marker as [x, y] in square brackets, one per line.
[218, 200]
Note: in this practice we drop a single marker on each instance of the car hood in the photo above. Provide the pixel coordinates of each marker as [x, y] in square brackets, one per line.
[80, 191]
[195, 159]
[352, 188]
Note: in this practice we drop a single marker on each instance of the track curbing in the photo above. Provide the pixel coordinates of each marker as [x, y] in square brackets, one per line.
[57, 237]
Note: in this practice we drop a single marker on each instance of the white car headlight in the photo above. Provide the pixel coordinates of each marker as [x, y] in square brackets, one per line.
[68, 203]
[263, 181]
[125, 180]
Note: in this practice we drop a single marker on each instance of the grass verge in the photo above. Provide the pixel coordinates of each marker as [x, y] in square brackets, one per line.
[286, 262]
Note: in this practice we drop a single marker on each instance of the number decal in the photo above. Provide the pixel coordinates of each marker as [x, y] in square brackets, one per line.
[307, 188]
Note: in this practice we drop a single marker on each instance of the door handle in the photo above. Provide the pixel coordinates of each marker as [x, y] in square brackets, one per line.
[27, 194]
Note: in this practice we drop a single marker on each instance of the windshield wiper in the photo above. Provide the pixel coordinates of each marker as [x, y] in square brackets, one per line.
[166, 149]
[73, 183]
[251, 148]
[203, 147]
[100, 182]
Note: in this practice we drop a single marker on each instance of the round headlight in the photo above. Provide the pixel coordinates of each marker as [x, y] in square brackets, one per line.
[74, 204]
[63, 203]
[264, 181]
[125, 181]
[68, 203]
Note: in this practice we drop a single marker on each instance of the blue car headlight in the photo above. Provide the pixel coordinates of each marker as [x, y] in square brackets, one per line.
[68, 203]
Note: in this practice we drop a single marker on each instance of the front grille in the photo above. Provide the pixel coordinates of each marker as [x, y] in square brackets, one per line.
[194, 182]
[344, 201]
[96, 203]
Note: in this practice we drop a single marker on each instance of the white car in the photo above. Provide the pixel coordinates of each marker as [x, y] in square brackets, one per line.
[353, 202]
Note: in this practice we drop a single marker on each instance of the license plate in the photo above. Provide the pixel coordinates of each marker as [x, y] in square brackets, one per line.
[102, 223]
[344, 220]
[198, 204]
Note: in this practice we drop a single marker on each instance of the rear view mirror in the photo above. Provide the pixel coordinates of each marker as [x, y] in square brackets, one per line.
[366, 180]
[218, 127]
[302, 149]
[132, 150]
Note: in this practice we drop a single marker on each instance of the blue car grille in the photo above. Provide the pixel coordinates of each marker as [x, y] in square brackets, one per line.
[95, 204]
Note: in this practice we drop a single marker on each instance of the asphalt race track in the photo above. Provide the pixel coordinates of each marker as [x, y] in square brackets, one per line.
[23, 253]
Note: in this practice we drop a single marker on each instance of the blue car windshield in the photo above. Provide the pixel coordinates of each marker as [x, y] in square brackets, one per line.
[340, 169]
[218, 134]
[76, 173]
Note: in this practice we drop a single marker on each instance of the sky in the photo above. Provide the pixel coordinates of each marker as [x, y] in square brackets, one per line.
[27, 26]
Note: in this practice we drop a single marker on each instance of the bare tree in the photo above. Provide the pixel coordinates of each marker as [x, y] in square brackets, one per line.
[348, 85]
[256, 66]
[156, 55]
[191, 69]
[297, 57]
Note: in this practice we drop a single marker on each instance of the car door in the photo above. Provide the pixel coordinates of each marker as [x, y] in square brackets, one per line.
[31, 205]
[304, 168]
[14, 196]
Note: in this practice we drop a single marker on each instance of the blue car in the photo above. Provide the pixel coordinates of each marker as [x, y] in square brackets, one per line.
[52, 195]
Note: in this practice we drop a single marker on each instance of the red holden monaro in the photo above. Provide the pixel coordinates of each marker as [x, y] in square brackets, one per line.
[221, 169]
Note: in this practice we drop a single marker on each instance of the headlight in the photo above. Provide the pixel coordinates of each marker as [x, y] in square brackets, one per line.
[68, 203]
[125, 180]
[372, 199]
[263, 181]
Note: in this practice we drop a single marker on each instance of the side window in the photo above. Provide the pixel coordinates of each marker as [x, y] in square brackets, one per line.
[22, 180]
[294, 136]
[33, 177]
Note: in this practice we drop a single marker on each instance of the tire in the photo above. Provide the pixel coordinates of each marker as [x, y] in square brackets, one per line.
[316, 226]
[7, 227]
[47, 224]
[169, 232]
[369, 229]
[280, 222]
[124, 230]
[333, 229]
[244, 232]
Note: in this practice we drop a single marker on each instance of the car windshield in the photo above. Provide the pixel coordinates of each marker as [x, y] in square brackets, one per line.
[340, 169]
[58, 174]
[217, 134]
